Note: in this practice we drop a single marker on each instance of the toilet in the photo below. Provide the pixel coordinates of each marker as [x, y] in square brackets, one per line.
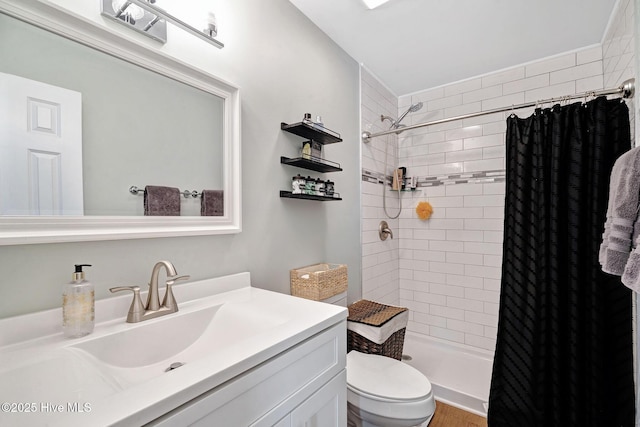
[382, 391]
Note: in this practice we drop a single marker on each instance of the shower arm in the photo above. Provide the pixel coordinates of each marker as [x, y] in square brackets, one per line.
[626, 90]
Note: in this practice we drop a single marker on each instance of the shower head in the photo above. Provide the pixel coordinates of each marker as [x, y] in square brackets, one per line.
[412, 109]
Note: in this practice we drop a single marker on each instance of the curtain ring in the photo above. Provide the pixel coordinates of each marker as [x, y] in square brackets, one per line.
[513, 114]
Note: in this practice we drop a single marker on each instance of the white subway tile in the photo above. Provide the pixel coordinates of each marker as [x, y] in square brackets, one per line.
[529, 83]
[454, 291]
[490, 332]
[445, 169]
[562, 89]
[447, 224]
[465, 281]
[463, 190]
[447, 334]
[418, 328]
[493, 152]
[492, 308]
[493, 260]
[481, 94]
[437, 256]
[448, 312]
[484, 165]
[465, 304]
[589, 84]
[463, 132]
[469, 328]
[446, 246]
[484, 200]
[428, 95]
[463, 155]
[551, 64]
[461, 110]
[462, 87]
[442, 103]
[498, 127]
[484, 225]
[446, 202]
[502, 101]
[454, 212]
[480, 342]
[465, 235]
[445, 267]
[503, 76]
[443, 147]
[494, 188]
[430, 298]
[491, 284]
[492, 236]
[481, 295]
[430, 234]
[493, 140]
[464, 258]
[589, 55]
[579, 72]
[494, 212]
[483, 248]
[481, 318]
[482, 271]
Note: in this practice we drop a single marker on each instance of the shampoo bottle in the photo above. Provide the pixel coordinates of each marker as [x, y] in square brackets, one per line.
[78, 305]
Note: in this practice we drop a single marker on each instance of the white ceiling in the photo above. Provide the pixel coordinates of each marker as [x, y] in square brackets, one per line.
[412, 45]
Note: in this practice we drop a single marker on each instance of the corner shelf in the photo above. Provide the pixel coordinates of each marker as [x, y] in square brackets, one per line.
[318, 165]
[290, 195]
[314, 133]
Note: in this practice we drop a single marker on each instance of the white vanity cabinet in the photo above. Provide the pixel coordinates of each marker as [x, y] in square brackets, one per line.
[304, 385]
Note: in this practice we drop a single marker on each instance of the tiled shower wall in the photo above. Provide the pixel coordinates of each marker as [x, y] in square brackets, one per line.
[447, 269]
[379, 258]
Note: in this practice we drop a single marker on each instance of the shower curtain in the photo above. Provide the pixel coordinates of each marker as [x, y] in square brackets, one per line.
[564, 353]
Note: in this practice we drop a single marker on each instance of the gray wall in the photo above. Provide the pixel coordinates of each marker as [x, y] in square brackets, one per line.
[285, 67]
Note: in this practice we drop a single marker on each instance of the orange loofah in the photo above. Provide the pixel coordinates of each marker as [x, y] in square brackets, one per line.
[424, 210]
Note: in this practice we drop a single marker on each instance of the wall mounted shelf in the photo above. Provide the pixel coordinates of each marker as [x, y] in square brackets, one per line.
[312, 132]
[314, 164]
[290, 195]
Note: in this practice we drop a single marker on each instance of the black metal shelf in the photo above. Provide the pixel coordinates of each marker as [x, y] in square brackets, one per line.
[315, 133]
[290, 195]
[313, 163]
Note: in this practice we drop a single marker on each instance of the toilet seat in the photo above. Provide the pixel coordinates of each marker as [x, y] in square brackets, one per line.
[387, 387]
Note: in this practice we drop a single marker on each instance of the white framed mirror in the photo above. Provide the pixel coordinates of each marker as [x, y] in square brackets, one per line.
[115, 163]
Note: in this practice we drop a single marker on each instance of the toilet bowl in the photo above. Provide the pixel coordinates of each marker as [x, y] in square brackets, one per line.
[384, 392]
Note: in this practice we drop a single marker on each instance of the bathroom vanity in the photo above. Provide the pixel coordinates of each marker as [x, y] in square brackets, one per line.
[233, 355]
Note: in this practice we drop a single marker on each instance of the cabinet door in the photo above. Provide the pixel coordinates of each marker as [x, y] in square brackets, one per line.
[325, 408]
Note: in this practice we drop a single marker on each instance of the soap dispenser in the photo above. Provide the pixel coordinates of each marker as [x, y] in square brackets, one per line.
[78, 305]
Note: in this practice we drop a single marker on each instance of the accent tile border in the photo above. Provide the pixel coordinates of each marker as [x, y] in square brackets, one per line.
[482, 177]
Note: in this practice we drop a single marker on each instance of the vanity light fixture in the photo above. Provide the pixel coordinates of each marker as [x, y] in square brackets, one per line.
[153, 20]
[372, 4]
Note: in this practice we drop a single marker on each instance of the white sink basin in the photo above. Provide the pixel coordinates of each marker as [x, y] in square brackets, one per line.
[223, 328]
[146, 349]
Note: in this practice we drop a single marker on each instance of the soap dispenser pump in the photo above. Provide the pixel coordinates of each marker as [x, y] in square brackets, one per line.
[78, 305]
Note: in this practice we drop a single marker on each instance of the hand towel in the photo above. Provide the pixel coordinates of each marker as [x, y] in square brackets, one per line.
[212, 203]
[161, 201]
[624, 190]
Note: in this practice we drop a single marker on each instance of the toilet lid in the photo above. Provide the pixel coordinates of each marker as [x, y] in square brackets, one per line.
[385, 377]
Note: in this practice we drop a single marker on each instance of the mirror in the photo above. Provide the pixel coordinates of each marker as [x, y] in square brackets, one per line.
[145, 120]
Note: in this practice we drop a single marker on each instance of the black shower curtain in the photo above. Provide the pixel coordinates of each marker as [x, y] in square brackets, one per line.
[564, 354]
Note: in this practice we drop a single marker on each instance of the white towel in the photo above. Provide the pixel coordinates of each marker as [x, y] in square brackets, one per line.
[622, 227]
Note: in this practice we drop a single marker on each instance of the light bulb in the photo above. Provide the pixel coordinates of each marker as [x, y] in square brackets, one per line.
[136, 12]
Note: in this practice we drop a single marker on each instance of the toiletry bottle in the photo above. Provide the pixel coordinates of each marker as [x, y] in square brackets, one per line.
[78, 305]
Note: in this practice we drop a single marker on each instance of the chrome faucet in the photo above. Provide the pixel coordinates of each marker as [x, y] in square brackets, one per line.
[138, 311]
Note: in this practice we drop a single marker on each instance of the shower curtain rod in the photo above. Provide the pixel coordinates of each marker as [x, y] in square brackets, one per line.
[626, 90]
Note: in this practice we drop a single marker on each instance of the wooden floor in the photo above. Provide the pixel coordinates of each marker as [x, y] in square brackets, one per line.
[450, 416]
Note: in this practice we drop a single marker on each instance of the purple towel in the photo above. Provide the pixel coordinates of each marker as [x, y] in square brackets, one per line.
[212, 203]
[161, 201]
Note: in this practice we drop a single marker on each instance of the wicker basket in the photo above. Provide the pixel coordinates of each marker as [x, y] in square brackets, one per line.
[375, 315]
[318, 282]
[392, 347]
